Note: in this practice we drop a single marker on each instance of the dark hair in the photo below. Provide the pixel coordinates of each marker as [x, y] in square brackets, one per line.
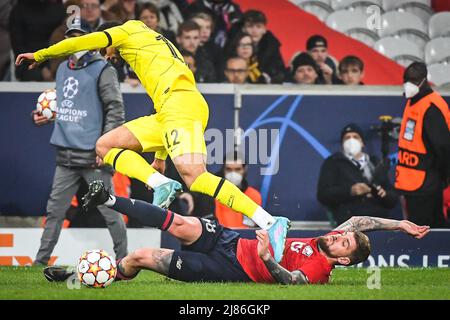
[108, 24]
[415, 73]
[349, 61]
[187, 26]
[231, 50]
[147, 6]
[362, 251]
[254, 16]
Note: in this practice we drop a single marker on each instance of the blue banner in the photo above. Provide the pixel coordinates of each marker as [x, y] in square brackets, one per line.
[308, 131]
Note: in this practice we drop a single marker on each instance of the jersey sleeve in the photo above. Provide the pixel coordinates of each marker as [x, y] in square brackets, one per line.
[314, 273]
[117, 35]
[92, 41]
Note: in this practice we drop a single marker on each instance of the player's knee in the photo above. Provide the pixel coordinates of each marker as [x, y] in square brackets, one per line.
[102, 146]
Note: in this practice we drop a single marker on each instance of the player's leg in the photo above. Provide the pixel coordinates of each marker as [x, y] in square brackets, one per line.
[113, 219]
[65, 184]
[157, 260]
[186, 229]
[119, 148]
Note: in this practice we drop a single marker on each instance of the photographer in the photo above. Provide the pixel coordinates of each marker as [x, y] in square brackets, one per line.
[352, 183]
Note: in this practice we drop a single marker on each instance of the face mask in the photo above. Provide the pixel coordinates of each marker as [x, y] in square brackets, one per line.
[234, 177]
[79, 54]
[411, 89]
[352, 147]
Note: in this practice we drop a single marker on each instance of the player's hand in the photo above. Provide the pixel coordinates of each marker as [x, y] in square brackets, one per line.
[98, 161]
[159, 165]
[381, 192]
[39, 119]
[263, 244]
[414, 230]
[186, 196]
[360, 189]
[27, 57]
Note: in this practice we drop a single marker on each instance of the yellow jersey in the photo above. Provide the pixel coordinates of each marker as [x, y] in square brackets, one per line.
[156, 61]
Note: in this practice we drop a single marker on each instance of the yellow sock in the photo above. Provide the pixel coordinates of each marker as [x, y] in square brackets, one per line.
[225, 192]
[129, 163]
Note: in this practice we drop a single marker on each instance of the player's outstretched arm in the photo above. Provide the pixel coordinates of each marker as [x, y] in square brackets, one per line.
[365, 224]
[92, 41]
[279, 273]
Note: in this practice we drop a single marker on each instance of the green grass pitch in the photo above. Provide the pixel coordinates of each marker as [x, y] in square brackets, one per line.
[351, 283]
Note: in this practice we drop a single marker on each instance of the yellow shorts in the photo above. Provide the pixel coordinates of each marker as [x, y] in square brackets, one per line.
[177, 129]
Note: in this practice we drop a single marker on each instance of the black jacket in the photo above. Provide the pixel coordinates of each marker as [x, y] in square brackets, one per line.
[113, 116]
[337, 176]
[269, 57]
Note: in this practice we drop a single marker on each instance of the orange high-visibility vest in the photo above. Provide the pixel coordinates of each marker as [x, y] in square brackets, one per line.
[413, 158]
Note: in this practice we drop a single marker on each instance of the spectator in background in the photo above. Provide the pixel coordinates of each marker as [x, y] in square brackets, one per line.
[317, 47]
[123, 10]
[31, 24]
[5, 43]
[95, 91]
[214, 51]
[351, 71]
[226, 15]
[107, 4]
[170, 16]
[188, 39]
[149, 14]
[92, 13]
[242, 46]
[190, 60]
[352, 183]
[267, 46]
[234, 170]
[236, 70]
[305, 70]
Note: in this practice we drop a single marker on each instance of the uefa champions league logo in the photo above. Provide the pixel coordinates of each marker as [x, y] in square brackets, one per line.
[70, 88]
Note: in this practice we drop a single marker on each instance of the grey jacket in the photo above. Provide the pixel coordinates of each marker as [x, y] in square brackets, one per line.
[114, 116]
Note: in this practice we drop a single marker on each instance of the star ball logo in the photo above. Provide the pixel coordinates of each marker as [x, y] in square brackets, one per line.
[70, 88]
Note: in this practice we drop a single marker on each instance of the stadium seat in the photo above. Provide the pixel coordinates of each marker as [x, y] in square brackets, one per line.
[438, 51]
[439, 74]
[439, 25]
[353, 24]
[405, 25]
[403, 51]
[420, 8]
[354, 4]
[320, 8]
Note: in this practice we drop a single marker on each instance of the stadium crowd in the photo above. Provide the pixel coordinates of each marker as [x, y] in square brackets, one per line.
[220, 43]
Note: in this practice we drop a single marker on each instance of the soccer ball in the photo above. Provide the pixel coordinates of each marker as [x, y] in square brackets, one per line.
[96, 269]
[46, 104]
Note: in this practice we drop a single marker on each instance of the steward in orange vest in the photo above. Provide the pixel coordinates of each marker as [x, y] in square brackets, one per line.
[423, 167]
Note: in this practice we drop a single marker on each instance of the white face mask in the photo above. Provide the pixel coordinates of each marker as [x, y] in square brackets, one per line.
[411, 89]
[234, 177]
[352, 147]
[79, 54]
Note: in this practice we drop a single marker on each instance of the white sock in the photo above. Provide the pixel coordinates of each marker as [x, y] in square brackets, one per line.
[111, 201]
[157, 179]
[263, 219]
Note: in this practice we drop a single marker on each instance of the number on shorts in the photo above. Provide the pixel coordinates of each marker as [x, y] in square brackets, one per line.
[174, 136]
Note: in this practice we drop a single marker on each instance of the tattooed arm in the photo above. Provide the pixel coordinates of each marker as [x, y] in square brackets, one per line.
[279, 273]
[366, 224]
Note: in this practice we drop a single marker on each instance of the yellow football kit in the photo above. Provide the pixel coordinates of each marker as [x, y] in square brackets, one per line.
[181, 111]
[181, 116]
